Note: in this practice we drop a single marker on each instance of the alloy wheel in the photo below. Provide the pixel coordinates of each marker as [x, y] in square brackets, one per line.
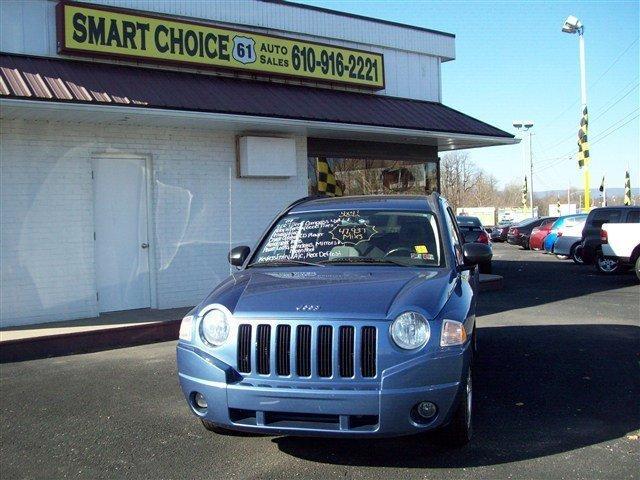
[607, 265]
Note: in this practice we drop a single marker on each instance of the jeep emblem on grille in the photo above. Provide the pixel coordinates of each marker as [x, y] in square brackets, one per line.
[308, 308]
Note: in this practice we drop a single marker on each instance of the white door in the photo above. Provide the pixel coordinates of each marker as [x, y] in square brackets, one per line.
[121, 241]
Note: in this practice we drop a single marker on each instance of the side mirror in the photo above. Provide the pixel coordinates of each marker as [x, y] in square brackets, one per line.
[476, 253]
[238, 255]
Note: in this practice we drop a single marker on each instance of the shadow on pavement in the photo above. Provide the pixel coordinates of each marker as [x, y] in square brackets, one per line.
[533, 283]
[540, 390]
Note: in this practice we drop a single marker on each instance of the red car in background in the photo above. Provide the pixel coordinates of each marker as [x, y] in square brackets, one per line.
[538, 234]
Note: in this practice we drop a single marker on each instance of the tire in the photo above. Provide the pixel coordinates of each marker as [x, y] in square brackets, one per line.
[459, 431]
[638, 267]
[607, 266]
[576, 255]
[562, 257]
[485, 267]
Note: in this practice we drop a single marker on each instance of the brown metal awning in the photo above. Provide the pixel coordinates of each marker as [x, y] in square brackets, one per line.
[71, 81]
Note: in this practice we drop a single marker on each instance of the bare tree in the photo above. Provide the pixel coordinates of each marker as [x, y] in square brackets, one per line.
[458, 177]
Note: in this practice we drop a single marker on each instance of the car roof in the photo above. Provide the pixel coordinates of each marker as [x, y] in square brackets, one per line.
[366, 202]
[613, 208]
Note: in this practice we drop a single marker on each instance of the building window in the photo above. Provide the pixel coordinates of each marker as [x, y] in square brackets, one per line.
[373, 176]
[373, 168]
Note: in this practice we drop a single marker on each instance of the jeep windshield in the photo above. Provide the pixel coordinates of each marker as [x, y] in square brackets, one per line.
[340, 237]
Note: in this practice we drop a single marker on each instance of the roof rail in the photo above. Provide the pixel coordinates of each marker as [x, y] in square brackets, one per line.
[303, 200]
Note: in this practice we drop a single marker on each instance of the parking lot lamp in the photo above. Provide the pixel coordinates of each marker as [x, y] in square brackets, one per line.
[525, 127]
[573, 25]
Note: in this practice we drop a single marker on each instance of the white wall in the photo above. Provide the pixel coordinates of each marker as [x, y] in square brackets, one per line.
[411, 57]
[47, 259]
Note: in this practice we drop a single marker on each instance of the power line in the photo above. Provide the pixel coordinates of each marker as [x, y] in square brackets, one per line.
[570, 157]
[617, 125]
[612, 131]
[615, 61]
[557, 143]
[617, 101]
[593, 84]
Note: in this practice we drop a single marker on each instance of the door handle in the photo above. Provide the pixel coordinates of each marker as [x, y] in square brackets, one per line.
[145, 245]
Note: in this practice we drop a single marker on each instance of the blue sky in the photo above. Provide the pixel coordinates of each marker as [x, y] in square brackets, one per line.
[513, 62]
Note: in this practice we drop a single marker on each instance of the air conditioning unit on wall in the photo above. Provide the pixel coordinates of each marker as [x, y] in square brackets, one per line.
[270, 157]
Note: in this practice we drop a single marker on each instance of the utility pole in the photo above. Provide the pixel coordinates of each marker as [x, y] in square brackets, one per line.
[530, 174]
[526, 129]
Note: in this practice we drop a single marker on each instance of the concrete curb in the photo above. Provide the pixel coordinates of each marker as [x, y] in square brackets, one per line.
[123, 336]
[88, 341]
[489, 282]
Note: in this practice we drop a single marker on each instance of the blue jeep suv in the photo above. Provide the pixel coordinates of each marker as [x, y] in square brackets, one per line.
[351, 317]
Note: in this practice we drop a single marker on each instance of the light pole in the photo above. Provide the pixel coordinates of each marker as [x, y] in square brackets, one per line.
[525, 127]
[573, 25]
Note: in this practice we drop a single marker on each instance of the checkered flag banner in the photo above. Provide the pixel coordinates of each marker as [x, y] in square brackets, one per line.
[601, 189]
[525, 191]
[327, 182]
[583, 143]
[627, 188]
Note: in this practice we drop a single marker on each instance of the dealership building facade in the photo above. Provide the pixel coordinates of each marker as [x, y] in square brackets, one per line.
[140, 139]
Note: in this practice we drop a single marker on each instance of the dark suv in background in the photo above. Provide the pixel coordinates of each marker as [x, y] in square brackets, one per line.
[520, 233]
[591, 243]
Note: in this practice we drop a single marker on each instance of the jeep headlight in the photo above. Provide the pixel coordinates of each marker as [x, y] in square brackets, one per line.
[215, 326]
[410, 330]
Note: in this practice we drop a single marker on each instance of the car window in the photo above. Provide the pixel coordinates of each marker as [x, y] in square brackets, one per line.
[468, 222]
[633, 216]
[455, 235]
[405, 237]
[605, 216]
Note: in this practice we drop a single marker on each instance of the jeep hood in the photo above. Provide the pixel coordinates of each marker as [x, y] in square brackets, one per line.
[334, 292]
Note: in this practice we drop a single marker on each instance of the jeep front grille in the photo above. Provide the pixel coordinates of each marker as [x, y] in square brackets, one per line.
[308, 349]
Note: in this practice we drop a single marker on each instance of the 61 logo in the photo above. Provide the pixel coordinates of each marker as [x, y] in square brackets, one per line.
[244, 49]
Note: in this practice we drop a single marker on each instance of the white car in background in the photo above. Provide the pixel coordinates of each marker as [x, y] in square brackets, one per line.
[620, 247]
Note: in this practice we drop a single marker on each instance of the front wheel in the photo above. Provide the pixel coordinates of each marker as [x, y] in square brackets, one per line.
[638, 267]
[458, 432]
[607, 266]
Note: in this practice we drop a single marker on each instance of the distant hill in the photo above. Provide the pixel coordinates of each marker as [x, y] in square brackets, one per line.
[595, 193]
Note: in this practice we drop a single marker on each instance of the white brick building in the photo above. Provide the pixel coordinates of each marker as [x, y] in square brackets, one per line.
[110, 204]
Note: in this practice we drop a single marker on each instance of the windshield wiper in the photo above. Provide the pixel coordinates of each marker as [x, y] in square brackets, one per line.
[283, 262]
[387, 261]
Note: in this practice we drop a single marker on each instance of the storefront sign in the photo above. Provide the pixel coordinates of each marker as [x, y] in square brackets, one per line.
[85, 29]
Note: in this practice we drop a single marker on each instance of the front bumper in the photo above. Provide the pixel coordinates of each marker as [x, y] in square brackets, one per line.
[341, 409]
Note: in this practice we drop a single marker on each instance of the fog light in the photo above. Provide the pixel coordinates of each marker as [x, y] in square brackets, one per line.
[426, 410]
[200, 401]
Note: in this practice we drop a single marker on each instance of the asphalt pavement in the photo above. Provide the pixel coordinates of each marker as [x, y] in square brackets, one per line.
[557, 395]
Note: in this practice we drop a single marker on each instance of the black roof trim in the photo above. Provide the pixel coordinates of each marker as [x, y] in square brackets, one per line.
[360, 17]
